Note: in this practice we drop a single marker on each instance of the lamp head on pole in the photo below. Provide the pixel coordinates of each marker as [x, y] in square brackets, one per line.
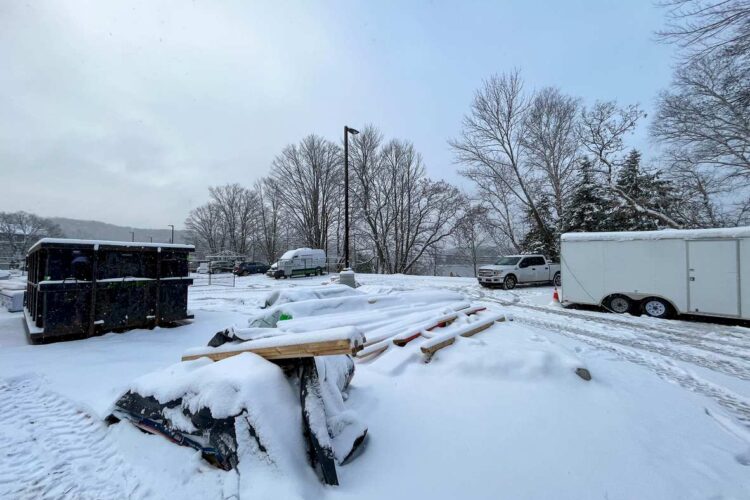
[352, 130]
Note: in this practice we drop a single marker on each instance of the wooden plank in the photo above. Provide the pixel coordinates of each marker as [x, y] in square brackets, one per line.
[373, 351]
[326, 348]
[403, 339]
[431, 348]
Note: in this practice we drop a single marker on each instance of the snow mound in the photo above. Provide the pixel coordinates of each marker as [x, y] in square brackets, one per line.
[225, 388]
[299, 294]
[317, 314]
[470, 357]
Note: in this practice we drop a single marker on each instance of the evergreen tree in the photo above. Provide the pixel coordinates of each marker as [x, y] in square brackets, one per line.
[589, 209]
[545, 241]
[648, 189]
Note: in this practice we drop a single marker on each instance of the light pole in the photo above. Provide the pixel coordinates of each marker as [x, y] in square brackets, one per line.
[347, 131]
[132, 235]
[171, 240]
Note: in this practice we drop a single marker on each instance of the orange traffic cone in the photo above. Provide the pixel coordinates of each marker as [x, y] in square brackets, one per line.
[555, 297]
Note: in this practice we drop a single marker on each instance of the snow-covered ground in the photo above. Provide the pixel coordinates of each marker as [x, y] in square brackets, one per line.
[498, 415]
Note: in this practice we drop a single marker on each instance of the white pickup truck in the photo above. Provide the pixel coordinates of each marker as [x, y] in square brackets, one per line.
[511, 270]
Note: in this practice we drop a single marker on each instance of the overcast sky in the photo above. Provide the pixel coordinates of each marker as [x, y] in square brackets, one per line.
[126, 112]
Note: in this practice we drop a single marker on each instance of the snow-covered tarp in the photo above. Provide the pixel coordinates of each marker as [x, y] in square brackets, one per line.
[246, 410]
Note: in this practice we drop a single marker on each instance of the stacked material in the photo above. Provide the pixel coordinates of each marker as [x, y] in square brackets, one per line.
[12, 293]
[243, 399]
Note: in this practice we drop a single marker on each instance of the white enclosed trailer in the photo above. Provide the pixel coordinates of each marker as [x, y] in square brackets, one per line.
[702, 272]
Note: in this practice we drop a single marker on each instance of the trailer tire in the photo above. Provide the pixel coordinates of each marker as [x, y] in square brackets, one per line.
[557, 279]
[319, 272]
[510, 281]
[657, 308]
[619, 304]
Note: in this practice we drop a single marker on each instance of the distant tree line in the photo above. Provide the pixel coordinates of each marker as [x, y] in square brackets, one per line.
[541, 162]
[398, 214]
[20, 230]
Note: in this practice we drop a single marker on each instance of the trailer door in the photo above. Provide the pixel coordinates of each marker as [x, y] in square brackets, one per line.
[713, 277]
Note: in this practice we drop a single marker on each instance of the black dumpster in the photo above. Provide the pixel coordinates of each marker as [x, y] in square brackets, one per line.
[80, 288]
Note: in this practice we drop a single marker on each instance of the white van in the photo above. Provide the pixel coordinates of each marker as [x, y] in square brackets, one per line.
[301, 262]
[661, 273]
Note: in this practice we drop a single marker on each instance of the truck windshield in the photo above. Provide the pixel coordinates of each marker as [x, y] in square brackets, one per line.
[288, 255]
[507, 261]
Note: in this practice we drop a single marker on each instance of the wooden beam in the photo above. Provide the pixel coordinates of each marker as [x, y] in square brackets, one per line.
[402, 339]
[440, 342]
[306, 350]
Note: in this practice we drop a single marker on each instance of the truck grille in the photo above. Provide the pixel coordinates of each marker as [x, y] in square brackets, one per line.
[485, 273]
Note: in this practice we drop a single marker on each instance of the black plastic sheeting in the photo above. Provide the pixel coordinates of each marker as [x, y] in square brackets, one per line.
[216, 438]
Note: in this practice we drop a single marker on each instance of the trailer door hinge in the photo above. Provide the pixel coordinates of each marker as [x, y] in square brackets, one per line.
[692, 278]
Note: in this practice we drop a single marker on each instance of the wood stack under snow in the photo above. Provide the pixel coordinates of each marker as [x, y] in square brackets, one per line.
[335, 319]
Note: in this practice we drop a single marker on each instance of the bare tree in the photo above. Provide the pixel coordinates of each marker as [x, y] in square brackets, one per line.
[706, 117]
[706, 27]
[369, 199]
[239, 210]
[492, 148]
[20, 230]
[404, 214]
[471, 234]
[552, 144]
[308, 176]
[270, 216]
[206, 225]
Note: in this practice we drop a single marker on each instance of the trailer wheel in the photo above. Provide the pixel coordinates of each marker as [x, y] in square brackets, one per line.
[557, 280]
[319, 272]
[656, 308]
[619, 304]
[509, 283]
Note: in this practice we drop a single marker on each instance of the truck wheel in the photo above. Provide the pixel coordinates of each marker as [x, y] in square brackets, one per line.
[319, 272]
[557, 280]
[619, 304]
[656, 308]
[509, 283]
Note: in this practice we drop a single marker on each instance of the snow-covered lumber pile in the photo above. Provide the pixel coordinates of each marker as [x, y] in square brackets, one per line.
[385, 320]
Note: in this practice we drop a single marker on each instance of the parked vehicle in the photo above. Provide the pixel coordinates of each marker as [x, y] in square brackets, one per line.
[203, 268]
[300, 262]
[511, 270]
[660, 273]
[272, 269]
[245, 268]
[220, 266]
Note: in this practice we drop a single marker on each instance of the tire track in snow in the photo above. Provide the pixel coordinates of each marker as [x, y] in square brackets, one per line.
[53, 450]
[736, 405]
[734, 363]
[704, 339]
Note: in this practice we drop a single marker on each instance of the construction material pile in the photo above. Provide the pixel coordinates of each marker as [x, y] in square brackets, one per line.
[243, 399]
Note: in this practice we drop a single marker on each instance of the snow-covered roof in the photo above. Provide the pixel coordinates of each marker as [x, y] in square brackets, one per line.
[679, 234]
[96, 243]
